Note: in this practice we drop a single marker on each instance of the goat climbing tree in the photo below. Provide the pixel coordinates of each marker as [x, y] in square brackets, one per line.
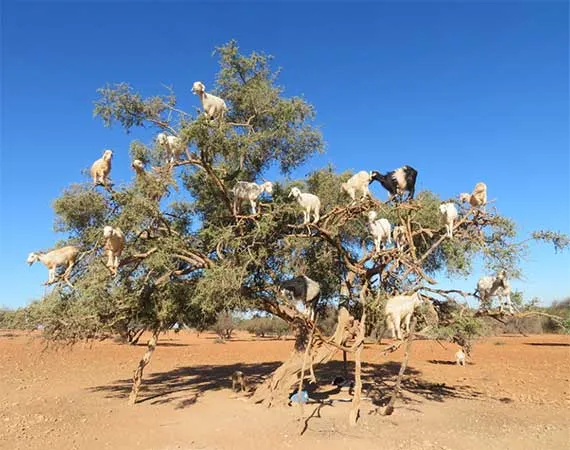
[189, 258]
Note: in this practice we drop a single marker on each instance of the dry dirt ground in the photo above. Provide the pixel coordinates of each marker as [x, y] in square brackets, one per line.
[515, 394]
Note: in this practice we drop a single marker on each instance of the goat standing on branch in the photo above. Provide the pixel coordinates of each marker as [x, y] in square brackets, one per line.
[399, 236]
[101, 169]
[138, 167]
[305, 290]
[173, 145]
[65, 256]
[398, 308]
[497, 286]
[477, 198]
[309, 202]
[358, 182]
[214, 107]
[448, 214]
[244, 190]
[380, 229]
[114, 244]
[397, 181]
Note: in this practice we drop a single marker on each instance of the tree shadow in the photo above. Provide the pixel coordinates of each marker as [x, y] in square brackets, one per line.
[378, 381]
[443, 362]
[162, 344]
[184, 385]
[252, 339]
[548, 344]
[173, 386]
[8, 335]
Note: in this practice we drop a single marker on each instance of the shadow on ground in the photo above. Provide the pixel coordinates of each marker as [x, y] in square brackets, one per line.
[162, 344]
[184, 385]
[548, 344]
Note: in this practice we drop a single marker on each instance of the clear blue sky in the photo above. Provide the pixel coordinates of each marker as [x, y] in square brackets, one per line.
[463, 91]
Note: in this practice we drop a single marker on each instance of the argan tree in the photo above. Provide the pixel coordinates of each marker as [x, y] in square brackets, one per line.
[188, 259]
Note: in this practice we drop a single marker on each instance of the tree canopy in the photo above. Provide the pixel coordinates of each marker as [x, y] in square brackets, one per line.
[188, 259]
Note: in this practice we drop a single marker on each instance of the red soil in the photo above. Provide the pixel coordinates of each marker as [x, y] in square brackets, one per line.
[514, 394]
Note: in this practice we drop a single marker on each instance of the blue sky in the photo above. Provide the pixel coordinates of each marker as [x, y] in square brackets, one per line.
[463, 91]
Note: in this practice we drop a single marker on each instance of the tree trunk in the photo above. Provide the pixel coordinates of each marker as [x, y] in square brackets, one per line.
[135, 336]
[137, 377]
[355, 407]
[390, 407]
[278, 387]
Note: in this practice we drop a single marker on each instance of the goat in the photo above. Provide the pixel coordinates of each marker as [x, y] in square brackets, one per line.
[460, 357]
[65, 256]
[448, 213]
[399, 236]
[497, 286]
[214, 107]
[101, 169]
[302, 289]
[239, 381]
[380, 229]
[114, 244]
[244, 190]
[357, 182]
[397, 181]
[398, 308]
[138, 167]
[477, 198]
[479, 195]
[309, 202]
[173, 144]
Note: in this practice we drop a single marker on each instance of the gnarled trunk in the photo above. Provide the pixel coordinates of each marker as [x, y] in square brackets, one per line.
[359, 344]
[277, 388]
[137, 377]
[397, 387]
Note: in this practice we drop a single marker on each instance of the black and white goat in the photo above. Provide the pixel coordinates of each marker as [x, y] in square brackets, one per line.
[397, 181]
[303, 289]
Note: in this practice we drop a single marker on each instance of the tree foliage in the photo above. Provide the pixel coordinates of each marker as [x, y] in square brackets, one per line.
[190, 259]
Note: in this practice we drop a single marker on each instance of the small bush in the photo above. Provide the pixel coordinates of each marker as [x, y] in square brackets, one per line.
[266, 326]
[225, 325]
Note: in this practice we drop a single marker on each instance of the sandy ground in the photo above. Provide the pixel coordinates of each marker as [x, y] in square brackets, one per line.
[515, 394]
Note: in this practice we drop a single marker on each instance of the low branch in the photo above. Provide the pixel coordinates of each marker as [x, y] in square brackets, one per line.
[435, 245]
[137, 257]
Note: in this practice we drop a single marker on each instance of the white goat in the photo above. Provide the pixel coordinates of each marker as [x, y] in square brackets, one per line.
[244, 190]
[309, 202]
[358, 182]
[65, 256]
[380, 229]
[138, 167]
[477, 198]
[448, 213]
[398, 308]
[399, 236]
[114, 244]
[460, 357]
[101, 169]
[173, 145]
[214, 107]
[497, 286]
